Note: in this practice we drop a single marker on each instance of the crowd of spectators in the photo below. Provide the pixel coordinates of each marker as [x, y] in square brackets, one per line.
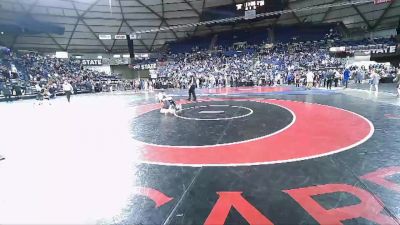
[257, 64]
[31, 73]
[240, 65]
[261, 65]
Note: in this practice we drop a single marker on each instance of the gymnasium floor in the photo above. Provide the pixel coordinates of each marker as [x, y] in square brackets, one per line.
[237, 156]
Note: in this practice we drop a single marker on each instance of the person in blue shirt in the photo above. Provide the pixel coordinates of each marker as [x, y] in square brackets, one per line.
[346, 77]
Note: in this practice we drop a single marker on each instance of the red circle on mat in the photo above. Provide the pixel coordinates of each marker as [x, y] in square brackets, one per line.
[319, 130]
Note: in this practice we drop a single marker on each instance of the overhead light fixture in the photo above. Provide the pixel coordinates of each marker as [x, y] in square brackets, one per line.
[62, 55]
[117, 56]
[99, 56]
[105, 36]
[120, 37]
[78, 57]
[126, 56]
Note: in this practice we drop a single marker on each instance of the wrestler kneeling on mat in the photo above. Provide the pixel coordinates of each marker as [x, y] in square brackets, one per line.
[168, 104]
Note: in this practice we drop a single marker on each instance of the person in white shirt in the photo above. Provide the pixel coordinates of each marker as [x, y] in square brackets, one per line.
[38, 89]
[310, 79]
[278, 79]
[68, 90]
[337, 77]
[374, 81]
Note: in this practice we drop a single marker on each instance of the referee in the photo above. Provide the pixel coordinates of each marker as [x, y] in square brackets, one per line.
[192, 89]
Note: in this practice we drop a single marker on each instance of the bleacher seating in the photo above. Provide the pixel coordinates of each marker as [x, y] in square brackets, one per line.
[252, 37]
[365, 42]
[256, 36]
[24, 71]
[303, 33]
[201, 43]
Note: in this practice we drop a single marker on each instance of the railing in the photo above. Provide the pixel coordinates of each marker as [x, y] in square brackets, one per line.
[29, 92]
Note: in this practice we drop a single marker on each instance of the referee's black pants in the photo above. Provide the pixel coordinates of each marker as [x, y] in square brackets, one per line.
[329, 84]
[192, 93]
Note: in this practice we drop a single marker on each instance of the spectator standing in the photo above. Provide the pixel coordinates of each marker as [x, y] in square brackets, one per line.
[68, 90]
[46, 94]
[310, 79]
[374, 82]
[297, 79]
[358, 76]
[329, 79]
[336, 78]
[38, 89]
[278, 79]
[324, 77]
[397, 79]
[317, 79]
[7, 91]
[346, 77]
[52, 90]
[18, 90]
